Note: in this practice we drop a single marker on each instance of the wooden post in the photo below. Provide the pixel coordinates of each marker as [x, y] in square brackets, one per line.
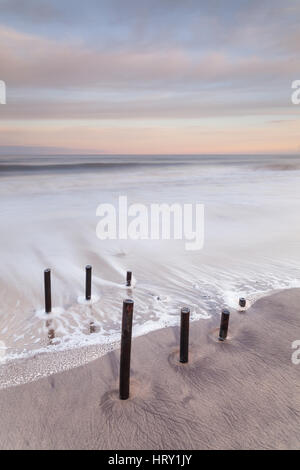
[242, 302]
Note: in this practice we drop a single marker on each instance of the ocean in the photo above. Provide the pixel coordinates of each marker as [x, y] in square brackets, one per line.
[48, 220]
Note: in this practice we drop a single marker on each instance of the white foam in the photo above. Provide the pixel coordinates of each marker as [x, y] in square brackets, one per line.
[83, 301]
[2, 350]
[55, 312]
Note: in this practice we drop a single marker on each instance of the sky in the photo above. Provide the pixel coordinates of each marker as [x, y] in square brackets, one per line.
[149, 76]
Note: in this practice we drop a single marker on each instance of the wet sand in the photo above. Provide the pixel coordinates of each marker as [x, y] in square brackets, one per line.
[240, 394]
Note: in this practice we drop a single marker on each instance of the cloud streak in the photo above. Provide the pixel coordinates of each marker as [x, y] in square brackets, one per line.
[28, 60]
[158, 60]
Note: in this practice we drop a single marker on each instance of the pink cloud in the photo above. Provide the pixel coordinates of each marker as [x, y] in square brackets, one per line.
[29, 60]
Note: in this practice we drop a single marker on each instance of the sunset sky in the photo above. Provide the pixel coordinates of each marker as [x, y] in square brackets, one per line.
[149, 76]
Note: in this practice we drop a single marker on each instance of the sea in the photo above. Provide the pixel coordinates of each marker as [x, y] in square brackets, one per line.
[48, 208]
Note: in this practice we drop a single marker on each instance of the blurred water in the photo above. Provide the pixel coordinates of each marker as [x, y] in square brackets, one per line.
[48, 219]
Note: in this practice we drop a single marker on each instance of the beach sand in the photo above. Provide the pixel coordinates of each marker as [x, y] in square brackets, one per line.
[240, 394]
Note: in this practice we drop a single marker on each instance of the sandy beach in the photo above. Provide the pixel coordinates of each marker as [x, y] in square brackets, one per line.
[240, 394]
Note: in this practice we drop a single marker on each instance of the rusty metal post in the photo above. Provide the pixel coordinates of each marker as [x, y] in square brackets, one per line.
[126, 349]
[184, 334]
[47, 288]
[224, 324]
[128, 278]
[88, 282]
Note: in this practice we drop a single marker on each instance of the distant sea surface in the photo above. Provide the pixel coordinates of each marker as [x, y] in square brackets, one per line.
[48, 219]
